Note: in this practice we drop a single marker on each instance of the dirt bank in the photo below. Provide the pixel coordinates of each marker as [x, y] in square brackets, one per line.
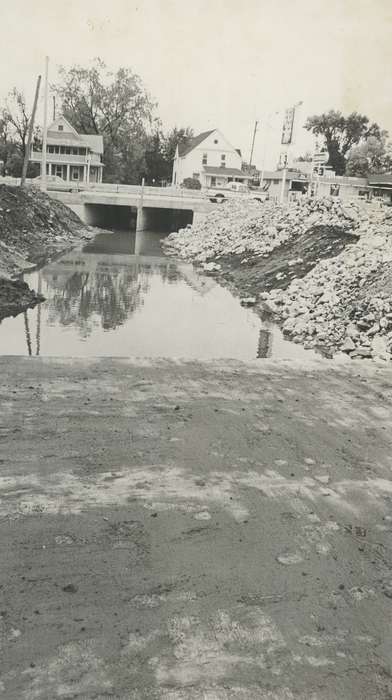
[184, 531]
[33, 229]
[324, 268]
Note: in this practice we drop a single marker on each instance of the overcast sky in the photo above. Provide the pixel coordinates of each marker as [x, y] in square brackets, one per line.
[217, 63]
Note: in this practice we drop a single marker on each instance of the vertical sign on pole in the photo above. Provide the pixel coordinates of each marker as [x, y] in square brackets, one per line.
[287, 140]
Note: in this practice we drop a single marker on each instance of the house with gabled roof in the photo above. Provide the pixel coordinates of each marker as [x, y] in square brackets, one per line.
[72, 156]
[210, 158]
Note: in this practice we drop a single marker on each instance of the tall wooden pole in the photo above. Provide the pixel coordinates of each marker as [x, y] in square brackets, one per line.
[253, 145]
[45, 133]
[30, 134]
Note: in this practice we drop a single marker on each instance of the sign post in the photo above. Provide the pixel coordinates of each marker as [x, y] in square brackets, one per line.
[287, 140]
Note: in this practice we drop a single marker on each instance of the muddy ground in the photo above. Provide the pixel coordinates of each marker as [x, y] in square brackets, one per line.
[252, 274]
[208, 531]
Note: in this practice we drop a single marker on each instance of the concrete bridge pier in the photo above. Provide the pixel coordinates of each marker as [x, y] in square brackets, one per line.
[143, 219]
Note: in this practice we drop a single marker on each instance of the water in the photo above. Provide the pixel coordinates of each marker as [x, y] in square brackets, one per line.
[120, 296]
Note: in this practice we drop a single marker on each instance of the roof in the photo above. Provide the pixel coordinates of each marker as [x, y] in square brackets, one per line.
[95, 141]
[381, 179]
[278, 175]
[230, 172]
[188, 145]
[64, 138]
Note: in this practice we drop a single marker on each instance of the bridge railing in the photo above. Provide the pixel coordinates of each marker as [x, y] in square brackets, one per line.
[117, 188]
[137, 189]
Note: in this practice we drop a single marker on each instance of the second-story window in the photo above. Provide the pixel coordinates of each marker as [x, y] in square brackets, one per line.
[223, 160]
[204, 161]
[61, 128]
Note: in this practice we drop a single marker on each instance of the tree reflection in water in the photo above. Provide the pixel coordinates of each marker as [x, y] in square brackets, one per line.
[106, 294]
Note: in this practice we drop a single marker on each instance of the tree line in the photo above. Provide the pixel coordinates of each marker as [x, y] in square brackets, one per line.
[96, 100]
[117, 105]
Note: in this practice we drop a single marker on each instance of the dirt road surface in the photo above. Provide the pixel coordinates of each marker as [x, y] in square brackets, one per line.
[191, 531]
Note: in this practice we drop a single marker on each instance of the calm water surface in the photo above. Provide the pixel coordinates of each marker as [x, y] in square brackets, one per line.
[120, 296]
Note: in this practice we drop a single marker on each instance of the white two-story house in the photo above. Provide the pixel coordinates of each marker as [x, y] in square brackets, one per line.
[209, 158]
[73, 157]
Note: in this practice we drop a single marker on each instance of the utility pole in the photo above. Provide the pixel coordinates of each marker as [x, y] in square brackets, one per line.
[30, 134]
[45, 134]
[253, 145]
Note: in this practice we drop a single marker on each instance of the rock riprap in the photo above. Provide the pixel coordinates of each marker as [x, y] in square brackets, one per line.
[343, 303]
[240, 227]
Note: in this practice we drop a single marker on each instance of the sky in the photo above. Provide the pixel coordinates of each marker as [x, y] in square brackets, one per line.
[217, 63]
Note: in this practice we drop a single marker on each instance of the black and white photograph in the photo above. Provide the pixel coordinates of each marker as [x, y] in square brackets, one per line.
[195, 350]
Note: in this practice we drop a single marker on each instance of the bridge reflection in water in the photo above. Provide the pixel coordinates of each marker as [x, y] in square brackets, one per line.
[120, 296]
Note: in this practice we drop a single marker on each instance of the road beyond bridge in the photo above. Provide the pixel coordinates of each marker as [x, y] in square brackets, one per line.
[146, 205]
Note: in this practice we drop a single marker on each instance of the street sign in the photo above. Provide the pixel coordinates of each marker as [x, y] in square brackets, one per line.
[320, 158]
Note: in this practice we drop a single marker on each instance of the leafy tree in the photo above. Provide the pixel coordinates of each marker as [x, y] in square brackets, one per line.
[14, 125]
[305, 158]
[116, 105]
[191, 183]
[373, 156]
[341, 133]
[160, 152]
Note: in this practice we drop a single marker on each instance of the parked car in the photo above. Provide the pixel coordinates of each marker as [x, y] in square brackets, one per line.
[236, 190]
[56, 183]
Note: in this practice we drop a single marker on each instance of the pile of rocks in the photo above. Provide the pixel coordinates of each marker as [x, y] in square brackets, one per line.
[246, 227]
[345, 303]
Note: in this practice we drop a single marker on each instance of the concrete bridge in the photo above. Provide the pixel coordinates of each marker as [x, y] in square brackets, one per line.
[142, 207]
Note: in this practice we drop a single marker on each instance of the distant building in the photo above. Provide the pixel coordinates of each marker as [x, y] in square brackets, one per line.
[295, 182]
[209, 158]
[73, 157]
[381, 186]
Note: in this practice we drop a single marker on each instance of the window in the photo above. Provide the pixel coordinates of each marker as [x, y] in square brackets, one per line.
[75, 151]
[223, 156]
[204, 161]
[59, 170]
[216, 141]
[60, 127]
[75, 173]
[223, 160]
[213, 181]
[50, 149]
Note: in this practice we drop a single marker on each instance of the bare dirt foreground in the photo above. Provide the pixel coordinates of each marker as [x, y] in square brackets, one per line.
[195, 531]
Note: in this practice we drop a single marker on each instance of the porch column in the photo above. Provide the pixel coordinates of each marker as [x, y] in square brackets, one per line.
[68, 172]
[84, 173]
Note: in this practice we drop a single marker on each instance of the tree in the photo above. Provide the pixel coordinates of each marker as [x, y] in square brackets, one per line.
[373, 156]
[14, 126]
[191, 183]
[116, 105]
[160, 152]
[305, 158]
[341, 133]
